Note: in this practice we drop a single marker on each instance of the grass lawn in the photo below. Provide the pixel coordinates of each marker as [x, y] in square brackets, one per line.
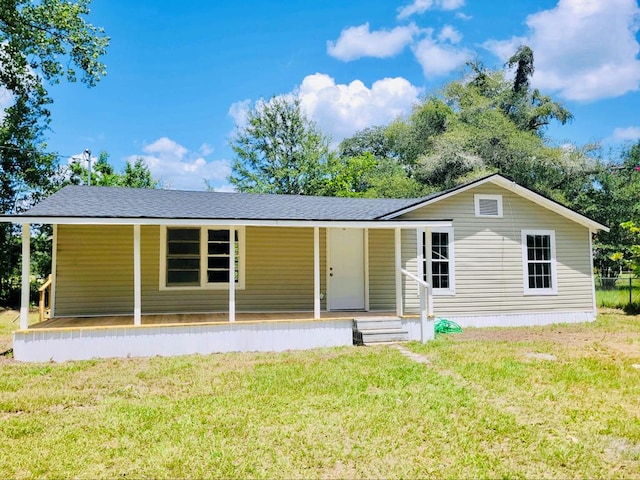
[544, 402]
[618, 296]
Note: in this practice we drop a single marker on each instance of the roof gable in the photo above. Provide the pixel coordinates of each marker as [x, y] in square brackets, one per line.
[511, 186]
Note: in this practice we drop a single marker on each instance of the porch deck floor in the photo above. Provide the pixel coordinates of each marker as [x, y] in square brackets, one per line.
[195, 318]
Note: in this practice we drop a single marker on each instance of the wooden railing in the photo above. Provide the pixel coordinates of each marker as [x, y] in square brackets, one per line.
[44, 302]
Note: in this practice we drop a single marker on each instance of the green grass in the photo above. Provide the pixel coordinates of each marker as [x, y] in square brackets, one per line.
[480, 408]
[618, 296]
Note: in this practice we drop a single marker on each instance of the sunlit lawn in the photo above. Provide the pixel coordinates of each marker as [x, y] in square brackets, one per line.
[485, 407]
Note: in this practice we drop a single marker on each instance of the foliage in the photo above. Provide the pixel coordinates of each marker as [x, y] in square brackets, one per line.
[136, 175]
[481, 408]
[280, 150]
[634, 229]
[40, 42]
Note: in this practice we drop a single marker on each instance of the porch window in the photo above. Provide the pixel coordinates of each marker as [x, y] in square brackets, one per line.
[199, 257]
[439, 260]
[539, 262]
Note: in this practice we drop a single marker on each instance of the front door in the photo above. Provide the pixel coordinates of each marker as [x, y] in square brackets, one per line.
[346, 269]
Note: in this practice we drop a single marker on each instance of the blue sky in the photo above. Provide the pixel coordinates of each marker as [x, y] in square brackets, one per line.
[181, 74]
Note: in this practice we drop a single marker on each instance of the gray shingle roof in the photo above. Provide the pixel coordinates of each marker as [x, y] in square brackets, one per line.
[114, 202]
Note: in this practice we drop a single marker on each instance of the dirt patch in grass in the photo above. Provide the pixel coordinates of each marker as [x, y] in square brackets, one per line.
[572, 336]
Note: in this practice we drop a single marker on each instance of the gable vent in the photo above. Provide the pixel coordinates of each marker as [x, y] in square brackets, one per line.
[488, 205]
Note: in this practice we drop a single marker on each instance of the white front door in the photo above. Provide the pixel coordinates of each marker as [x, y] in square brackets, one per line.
[346, 269]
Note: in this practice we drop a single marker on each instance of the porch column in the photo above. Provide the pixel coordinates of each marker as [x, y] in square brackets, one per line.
[232, 274]
[316, 272]
[421, 241]
[398, 254]
[137, 278]
[26, 273]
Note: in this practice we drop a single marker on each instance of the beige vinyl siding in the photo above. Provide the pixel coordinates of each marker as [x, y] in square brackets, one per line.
[488, 257]
[95, 272]
[382, 292]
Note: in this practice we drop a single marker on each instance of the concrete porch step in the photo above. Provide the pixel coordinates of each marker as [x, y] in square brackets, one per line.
[368, 330]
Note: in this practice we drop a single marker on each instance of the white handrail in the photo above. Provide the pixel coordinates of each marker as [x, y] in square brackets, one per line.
[426, 302]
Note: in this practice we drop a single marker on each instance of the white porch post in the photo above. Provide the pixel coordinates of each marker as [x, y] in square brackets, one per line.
[421, 241]
[316, 272]
[26, 273]
[137, 282]
[398, 253]
[232, 274]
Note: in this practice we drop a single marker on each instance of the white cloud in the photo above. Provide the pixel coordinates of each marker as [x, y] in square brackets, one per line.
[238, 111]
[420, 6]
[449, 34]
[340, 109]
[357, 42]
[179, 168]
[584, 49]
[628, 133]
[463, 16]
[439, 57]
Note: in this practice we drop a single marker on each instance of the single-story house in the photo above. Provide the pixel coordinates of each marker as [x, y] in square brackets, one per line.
[144, 272]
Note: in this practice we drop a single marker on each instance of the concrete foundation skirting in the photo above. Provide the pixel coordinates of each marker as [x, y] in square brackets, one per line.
[59, 345]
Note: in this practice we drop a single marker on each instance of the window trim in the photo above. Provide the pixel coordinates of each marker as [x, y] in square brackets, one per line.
[481, 196]
[428, 260]
[525, 264]
[204, 285]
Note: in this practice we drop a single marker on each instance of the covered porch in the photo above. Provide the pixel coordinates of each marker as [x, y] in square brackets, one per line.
[233, 323]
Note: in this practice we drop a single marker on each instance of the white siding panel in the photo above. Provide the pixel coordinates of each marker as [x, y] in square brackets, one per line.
[118, 342]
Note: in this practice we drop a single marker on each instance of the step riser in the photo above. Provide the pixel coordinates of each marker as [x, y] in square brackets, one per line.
[383, 337]
[379, 325]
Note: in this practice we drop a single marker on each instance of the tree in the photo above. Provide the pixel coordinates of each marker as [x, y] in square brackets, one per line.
[280, 151]
[103, 174]
[40, 42]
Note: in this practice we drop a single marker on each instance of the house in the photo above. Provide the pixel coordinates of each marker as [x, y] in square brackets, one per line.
[158, 272]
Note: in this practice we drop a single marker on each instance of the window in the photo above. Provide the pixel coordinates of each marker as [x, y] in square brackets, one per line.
[539, 262]
[194, 257]
[439, 263]
[488, 206]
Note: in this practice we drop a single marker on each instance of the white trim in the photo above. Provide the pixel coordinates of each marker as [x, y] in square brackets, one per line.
[26, 276]
[204, 285]
[232, 271]
[398, 264]
[525, 262]
[191, 222]
[54, 271]
[366, 269]
[316, 272]
[478, 197]
[137, 277]
[593, 280]
[503, 182]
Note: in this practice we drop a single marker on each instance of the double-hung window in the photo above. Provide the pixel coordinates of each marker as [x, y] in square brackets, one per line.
[539, 262]
[437, 251]
[200, 257]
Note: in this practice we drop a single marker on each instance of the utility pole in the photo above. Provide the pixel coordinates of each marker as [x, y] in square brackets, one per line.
[88, 154]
